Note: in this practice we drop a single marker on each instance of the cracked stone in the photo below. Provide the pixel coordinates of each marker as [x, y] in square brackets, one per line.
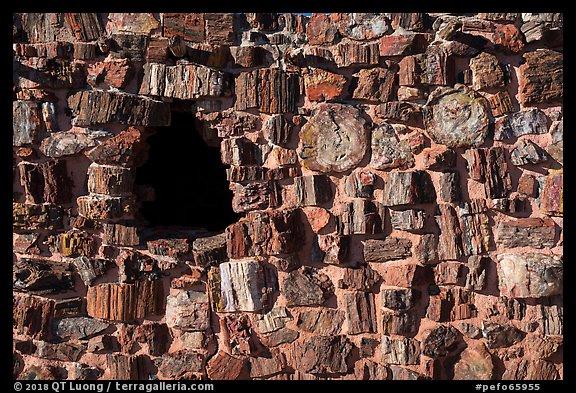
[334, 139]
[456, 117]
[530, 275]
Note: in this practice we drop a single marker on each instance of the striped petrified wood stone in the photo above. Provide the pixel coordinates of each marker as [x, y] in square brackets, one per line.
[92, 107]
[124, 302]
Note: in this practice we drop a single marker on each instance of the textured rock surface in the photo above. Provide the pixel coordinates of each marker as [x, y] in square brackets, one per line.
[407, 220]
[387, 250]
[394, 183]
[541, 77]
[527, 152]
[530, 275]
[306, 287]
[323, 322]
[534, 232]
[408, 188]
[402, 351]
[334, 139]
[388, 152]
[552, 194]
[99, 107]
[531, 121]
[322, 355]
[321, 85]
[475, 363]
[360, 217]
[188, 311]
[456, 118]
[242, 285]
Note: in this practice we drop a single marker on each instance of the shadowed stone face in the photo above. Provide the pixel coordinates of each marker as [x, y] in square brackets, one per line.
[456, 118]
[334, 140]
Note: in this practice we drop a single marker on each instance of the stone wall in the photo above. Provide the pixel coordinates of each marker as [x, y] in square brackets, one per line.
[399, 176]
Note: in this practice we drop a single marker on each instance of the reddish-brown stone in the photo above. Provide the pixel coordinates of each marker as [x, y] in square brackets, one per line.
[321, 85]
[404, 44]
[552, 194]
[46, 182]
[225, 367]
[110, 73]
[321, 30]
[375, 84]
[509, 38]
[127, 149]
[189, 26]
[124, 302]
[33, 315]
[318, 217]
[540, 77]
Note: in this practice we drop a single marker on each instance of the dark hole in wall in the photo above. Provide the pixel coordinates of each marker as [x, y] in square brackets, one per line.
[188, 177]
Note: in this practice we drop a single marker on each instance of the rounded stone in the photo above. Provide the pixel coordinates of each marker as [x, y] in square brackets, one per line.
[455, 117]
[388, 151]
[334, 139]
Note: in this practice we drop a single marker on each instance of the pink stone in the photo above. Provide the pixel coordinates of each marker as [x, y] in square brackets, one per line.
[318, 217]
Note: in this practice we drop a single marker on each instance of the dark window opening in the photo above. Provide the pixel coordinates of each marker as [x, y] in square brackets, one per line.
[188, 177]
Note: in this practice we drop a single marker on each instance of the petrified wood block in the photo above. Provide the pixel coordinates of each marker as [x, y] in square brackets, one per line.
[334, 139]
[456, 117]
[124, 302]
[100, 107]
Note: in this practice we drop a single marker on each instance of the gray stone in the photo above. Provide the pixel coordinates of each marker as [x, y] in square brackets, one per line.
[407, 220]
[399, 322]
[556, 148]
[399, 299]
[278, 337]
[440, 341]
[79, 327]
[476, 277]
[527, 152]
[313, 190]
[184, 81]
[306, 287]
[99, 107]
[522, 232]
[89, 268]
[273, 320]
[360, 217]
[26, 122]
[500, 336]
[449, 190]
[66, 143]
[531, 121]
[388, 249]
